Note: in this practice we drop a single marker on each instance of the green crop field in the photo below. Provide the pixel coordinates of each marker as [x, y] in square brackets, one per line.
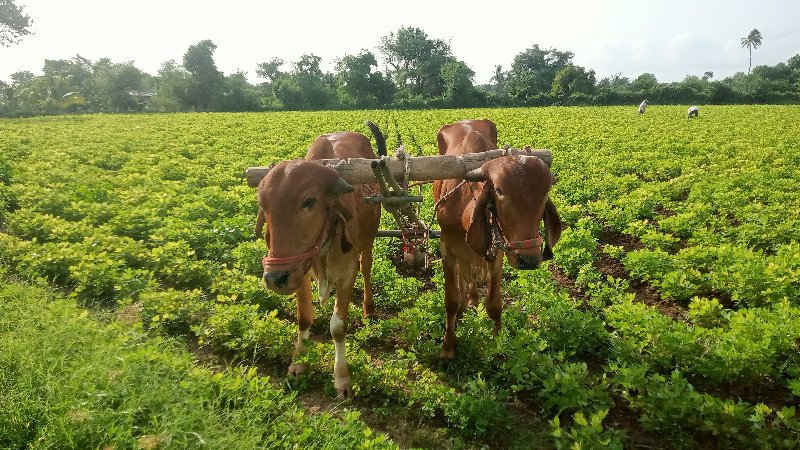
[670, 316]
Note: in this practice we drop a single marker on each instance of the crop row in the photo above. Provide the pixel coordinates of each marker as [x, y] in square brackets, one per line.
[153, 210]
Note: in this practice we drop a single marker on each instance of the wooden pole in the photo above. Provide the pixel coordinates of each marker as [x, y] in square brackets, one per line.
[420, 168]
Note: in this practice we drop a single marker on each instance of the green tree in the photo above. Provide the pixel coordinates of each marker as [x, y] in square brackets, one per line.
[533, 71]
[306, 87]
[358, 85]
[171, 86]
[751, 41]
[573, 80]
[645, 83]
[794, 68]
[416, 61]
[14, 23]
[205, 83]
[69, 84]
[270, 70]
[119, 85]
[238, 94]
[459, 90]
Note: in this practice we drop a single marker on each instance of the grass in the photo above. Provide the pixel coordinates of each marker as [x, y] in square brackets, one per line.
[68, 380]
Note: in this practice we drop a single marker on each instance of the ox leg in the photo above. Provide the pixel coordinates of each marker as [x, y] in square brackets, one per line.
[472, 296]
[366, 271]
[341, 372]
[452, 304]
[461, 275]
[305, 317]
[494, 299]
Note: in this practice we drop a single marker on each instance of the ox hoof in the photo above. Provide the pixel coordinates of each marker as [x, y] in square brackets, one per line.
[446, 359]
[344, 393]
[343, 389]
[445, 363]
[297, 369]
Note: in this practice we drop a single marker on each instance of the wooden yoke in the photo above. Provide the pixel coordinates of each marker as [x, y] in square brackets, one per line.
[419, 168]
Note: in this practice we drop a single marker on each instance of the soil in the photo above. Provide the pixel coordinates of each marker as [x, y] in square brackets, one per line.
[424, 274]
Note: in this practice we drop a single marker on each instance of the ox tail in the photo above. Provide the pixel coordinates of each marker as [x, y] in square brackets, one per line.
[380, 139]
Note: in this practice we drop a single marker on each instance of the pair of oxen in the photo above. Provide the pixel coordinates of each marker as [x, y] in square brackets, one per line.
[319, 225]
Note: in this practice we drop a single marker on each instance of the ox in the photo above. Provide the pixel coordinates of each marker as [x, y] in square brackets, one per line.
[317, 221]
[496, 209]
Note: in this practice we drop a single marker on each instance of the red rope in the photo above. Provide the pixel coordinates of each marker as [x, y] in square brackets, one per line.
[310, 254]
[528, 243]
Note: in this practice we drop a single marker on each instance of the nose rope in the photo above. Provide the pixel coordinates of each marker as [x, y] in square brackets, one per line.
[324, 237]
[500, 240]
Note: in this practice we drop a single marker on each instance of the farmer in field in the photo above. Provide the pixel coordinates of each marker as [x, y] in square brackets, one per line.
[693, 111]
[642, 106]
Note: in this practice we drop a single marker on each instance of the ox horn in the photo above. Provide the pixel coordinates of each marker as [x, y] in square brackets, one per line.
[475, 175]
[342, 187]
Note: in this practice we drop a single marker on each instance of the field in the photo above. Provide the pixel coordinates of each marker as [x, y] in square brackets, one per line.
[669, 318]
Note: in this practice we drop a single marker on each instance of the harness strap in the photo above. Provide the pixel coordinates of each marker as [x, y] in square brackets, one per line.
[499, 238]
[324, 237]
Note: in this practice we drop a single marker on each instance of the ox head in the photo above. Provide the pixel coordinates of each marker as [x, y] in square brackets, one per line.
[509, 209]
[302, 206]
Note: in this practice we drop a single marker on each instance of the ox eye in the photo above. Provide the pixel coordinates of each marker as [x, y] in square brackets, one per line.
[499, 192]
[309, 203]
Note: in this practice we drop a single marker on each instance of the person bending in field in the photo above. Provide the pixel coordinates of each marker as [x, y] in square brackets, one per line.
[693, 111]
[642, 106]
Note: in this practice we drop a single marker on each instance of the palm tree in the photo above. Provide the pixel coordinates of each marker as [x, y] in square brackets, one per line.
[751, 41]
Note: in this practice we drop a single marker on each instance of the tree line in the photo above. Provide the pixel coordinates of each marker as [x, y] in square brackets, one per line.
[419, 72]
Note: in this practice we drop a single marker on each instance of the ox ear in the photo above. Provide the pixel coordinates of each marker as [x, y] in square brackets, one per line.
[261, 218]
[343, 215]
[339, 187]
[552, 228]
[479, 234]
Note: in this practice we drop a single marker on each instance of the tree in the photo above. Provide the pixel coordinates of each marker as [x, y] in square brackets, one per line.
[14, 23]
[416, 61]
[306, 87]
[358, 85]
[572, 80]
[645, 83]
[205, 80]
[270, 70]
[119, 85]
[238, 94]
[794, 67]
[459, 90]
[171, 83]
[533, 71]
[751, 41]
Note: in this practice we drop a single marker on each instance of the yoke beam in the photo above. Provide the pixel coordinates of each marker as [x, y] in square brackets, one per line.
[420, 168]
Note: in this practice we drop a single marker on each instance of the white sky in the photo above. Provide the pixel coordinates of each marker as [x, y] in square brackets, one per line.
[668, 38]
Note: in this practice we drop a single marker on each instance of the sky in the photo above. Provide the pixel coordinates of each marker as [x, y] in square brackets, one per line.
[670, 39]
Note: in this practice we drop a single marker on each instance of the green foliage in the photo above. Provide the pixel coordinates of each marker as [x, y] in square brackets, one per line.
[586, 433]
[14, 23]
[151, 214]
[91, 384]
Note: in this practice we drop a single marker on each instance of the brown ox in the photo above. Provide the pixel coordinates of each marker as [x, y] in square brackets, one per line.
[479, 219]
[316, 220]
